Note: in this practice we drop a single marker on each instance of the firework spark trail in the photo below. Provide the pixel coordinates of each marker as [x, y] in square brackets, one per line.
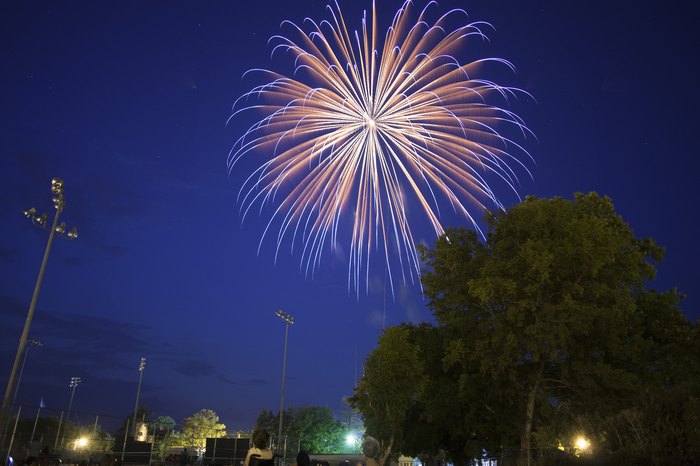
[364, 132]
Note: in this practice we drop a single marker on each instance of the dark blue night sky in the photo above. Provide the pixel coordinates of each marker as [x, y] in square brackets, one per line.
[128, 103]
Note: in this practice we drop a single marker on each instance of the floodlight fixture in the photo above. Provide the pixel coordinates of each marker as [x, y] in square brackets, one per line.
[56, 186]
[285, 317]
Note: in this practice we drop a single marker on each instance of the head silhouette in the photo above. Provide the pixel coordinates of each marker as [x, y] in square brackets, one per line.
[261, 439]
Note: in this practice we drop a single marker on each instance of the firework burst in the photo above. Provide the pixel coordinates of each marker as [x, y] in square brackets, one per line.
[364, 128]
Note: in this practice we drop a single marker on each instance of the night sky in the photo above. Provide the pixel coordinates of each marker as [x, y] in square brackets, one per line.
[127, 102]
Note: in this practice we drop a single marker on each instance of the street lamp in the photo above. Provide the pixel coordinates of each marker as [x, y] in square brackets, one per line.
[142, 366]
[31, 343]
[41, 222]
[288, 320]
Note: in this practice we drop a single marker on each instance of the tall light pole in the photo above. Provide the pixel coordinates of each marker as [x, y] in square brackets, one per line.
[74, 382]
[288, 320]
[40, 221]
[31, 343]
[142, 366]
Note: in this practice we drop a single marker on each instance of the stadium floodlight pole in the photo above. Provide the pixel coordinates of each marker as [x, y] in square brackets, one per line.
[288, 320]
[40, 221]
[142, 365]
[74, 382]
[31, 343]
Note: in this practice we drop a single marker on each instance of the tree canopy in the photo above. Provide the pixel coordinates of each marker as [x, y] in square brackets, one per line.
[545, 328]
[388, 389]
[315, 428]
[202, 425]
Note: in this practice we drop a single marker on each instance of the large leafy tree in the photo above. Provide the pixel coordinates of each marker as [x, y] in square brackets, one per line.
[202, 425]
[433, 420]
[389, 389]
[440, 407]
[457, 405]
[545, 308]
[317, 430]
[662, 425]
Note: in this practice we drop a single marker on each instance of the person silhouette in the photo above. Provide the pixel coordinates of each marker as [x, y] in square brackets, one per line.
[370, 450]
[303, 458]
[260, 449]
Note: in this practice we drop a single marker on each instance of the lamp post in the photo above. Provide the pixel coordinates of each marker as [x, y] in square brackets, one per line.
[40, 221]
[288, 320]
[74, 382]
[31, 343]
[142, 366]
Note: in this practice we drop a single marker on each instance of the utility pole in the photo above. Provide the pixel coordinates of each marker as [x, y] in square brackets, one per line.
[288, 320]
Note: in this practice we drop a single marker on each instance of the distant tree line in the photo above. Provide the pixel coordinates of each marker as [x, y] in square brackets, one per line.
[546, 331]
[312, 428]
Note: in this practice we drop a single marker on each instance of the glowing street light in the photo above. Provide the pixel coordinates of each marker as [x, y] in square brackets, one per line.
[42, 222]
[288, 320]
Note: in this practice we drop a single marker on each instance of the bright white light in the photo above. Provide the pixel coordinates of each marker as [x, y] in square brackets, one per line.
[81, 442]
[350, 439]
